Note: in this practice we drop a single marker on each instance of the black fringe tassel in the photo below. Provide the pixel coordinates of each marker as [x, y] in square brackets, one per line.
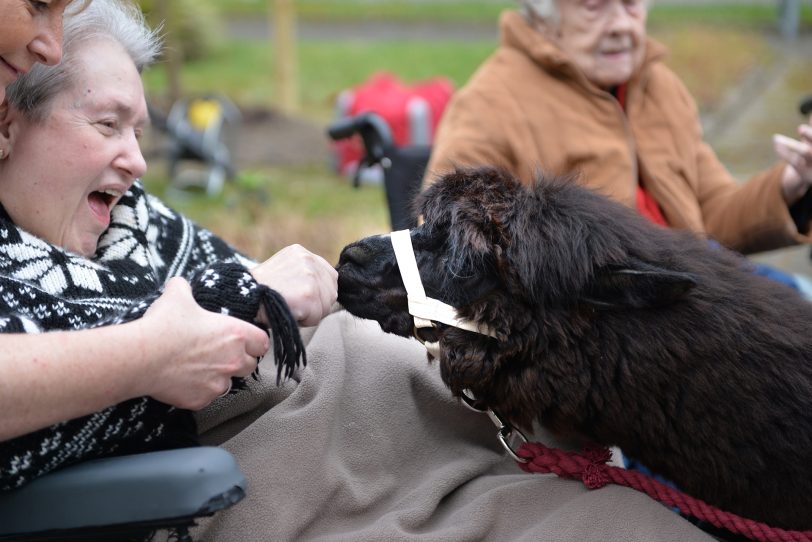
[287, 341]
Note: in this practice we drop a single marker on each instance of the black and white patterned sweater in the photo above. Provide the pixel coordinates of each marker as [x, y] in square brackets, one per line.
[44, 288]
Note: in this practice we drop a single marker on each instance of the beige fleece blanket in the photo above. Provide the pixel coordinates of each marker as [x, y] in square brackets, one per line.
[366, 444]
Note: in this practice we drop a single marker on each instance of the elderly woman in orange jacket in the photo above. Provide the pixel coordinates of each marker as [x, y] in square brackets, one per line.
[576, 86]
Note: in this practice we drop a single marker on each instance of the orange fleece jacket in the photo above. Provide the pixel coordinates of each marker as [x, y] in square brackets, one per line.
[529, 109]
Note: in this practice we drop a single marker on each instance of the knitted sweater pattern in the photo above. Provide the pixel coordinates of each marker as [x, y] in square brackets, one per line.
[45, 288]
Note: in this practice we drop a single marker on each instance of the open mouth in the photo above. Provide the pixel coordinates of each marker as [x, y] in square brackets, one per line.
[101, 202]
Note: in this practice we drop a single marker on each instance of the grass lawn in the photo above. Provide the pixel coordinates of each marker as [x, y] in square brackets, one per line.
[243, 69]
[270, 208]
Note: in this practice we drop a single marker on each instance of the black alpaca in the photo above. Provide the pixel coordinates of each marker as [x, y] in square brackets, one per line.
[611, 329]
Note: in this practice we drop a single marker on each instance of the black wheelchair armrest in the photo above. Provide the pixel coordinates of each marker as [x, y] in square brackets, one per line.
[153, 490]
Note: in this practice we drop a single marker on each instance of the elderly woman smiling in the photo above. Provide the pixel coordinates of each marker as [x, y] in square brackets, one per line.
[82, 246]
[90, 132]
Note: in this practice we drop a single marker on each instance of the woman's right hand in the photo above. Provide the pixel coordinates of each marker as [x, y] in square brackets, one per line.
[190, 354]
[797, 153]
[307, 282]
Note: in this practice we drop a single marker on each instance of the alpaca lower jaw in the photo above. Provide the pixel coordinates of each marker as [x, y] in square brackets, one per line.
[386, 307]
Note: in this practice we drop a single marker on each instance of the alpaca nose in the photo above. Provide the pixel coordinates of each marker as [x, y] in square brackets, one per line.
[356, 254]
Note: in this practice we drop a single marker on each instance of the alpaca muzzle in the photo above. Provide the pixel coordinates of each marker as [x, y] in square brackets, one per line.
[426, 311]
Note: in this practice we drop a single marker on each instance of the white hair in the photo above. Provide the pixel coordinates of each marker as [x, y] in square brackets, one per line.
[544, 10]
[118, 21]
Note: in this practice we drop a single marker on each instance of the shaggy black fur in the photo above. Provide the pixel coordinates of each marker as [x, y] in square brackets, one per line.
[612, 329]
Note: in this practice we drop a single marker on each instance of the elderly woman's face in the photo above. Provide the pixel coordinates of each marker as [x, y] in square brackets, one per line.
[606, 38]
[30, 31]
[64, 174]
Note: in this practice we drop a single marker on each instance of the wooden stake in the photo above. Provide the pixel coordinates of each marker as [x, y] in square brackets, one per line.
[283, 26]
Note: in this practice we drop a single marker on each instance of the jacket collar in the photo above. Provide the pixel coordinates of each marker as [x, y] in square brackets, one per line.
[516, 33]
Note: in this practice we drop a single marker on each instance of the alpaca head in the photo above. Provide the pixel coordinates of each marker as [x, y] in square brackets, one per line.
[517, 259]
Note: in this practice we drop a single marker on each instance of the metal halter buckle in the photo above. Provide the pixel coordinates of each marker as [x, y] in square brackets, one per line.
[506, 430]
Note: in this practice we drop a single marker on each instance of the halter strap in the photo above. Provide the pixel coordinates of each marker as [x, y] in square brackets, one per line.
[426, 310]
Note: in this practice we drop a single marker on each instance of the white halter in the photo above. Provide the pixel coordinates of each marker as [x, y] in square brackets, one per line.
[426, 310]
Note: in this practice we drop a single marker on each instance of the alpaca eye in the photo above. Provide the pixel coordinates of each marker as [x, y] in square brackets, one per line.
[456, 270]
[450, 265]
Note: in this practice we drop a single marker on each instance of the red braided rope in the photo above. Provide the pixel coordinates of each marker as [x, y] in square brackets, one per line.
[590, 467]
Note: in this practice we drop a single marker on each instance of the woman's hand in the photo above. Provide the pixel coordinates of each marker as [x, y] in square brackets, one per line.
[307, 282]
[797, 153]
[191, 353]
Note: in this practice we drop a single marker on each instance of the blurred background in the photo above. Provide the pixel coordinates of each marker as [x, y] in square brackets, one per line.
[283, 65]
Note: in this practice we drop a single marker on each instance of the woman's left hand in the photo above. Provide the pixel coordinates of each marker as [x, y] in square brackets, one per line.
[797, 153]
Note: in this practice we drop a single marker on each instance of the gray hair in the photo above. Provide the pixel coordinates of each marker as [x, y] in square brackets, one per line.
[544, 10]
[118, 21]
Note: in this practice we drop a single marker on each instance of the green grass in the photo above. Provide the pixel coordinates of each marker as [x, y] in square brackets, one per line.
[244, 70]
[266, 210]
[710, 76]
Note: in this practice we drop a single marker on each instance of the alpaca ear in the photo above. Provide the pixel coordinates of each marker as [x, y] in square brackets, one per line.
[638, 286]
